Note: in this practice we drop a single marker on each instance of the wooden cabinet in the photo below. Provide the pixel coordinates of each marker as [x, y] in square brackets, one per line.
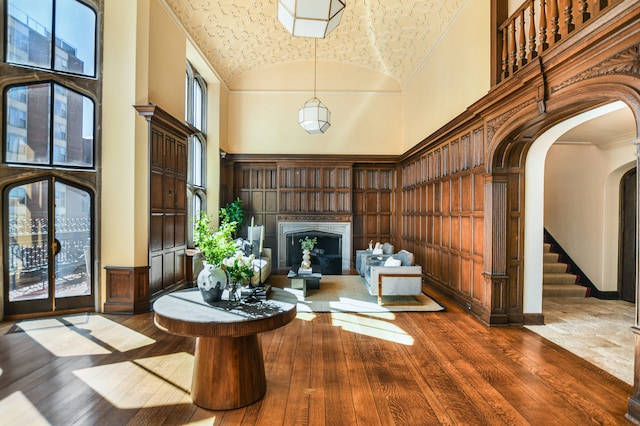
[168, 141]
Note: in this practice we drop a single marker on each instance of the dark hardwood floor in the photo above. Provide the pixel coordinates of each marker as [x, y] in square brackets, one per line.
[322, 369]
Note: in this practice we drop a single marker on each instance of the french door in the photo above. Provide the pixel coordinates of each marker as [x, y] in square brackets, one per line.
[48, 252]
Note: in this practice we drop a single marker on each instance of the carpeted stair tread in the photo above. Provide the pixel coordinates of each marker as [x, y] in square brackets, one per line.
[556, 281]
[555, 268]
[560, 279]
[560, 290]
[550, 257]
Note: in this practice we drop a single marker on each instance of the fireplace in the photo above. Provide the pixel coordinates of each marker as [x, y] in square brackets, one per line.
[333, 250]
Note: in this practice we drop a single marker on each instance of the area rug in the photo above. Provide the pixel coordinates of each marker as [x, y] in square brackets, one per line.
[347, 293]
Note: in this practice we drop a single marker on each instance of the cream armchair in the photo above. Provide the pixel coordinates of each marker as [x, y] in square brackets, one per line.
[262, 267]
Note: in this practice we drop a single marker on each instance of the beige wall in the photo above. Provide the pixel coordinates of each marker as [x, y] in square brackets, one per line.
[167, 53]
[453, 77]
[140, 49]
[361, 123]
[388, 119]
[366, 111]
[123, 226]
[582, 212]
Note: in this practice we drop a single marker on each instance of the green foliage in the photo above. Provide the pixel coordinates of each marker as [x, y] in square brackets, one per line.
[232, 212]
[308, 243]
[215, 246]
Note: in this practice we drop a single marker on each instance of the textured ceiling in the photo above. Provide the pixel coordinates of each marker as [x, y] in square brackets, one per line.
[392, 37]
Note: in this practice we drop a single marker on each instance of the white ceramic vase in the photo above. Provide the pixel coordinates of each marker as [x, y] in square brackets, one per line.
[211, 282]
[306, 259]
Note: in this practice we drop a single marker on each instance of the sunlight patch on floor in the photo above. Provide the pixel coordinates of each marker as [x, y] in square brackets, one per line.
[306, 316]
[60, 340]
[371, 327]
[171, 368]
[16, 409]
[83, 334]
[113, 334]
[148, 382]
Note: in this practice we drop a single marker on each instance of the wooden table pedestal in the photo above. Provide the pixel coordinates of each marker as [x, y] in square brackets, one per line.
[233, 366]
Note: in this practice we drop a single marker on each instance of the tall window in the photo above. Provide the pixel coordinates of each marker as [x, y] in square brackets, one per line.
[196, 113]
[50, 101]
[41, 34]
[48, 125]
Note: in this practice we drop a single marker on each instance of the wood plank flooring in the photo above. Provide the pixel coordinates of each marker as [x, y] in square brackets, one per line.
[322, 369]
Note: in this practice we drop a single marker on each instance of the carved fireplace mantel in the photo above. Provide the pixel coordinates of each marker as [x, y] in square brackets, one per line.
[332, 224]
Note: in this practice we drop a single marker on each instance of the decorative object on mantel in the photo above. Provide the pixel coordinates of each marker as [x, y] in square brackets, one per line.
[307, 245]
[310, 18]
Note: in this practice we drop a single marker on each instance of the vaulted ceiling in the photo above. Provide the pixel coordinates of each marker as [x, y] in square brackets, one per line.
[392, 37]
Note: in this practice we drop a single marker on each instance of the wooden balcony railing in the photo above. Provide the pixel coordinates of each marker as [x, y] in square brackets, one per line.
[536, 27]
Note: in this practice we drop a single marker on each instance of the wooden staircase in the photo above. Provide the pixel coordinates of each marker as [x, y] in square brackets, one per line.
[556, 280]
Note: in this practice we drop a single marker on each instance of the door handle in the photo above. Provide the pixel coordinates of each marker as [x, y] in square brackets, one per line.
[56, 246]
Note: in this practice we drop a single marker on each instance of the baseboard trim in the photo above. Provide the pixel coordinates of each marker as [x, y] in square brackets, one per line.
[533, 319]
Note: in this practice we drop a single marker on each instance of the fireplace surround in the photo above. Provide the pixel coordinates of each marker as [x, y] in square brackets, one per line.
[341, 229]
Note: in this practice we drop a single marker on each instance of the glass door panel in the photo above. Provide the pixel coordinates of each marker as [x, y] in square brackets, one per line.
[28, 251]
[50, 227]
[72, 230]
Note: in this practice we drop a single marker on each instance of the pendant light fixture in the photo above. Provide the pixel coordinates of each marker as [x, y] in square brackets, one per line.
[310, 18]
[314, 117]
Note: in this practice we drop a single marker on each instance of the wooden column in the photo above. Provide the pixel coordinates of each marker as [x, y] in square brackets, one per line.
[495, 249]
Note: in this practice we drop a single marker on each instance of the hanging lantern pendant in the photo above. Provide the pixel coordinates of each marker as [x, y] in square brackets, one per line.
[314, 116]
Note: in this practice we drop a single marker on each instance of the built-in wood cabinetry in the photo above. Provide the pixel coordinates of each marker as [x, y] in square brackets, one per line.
[168, 208]
[167, 139]
[373, 204]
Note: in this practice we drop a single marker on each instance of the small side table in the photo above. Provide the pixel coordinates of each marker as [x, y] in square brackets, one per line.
[228, 368]
[305, 281]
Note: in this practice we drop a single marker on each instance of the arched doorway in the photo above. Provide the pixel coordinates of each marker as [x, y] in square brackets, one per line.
[535, 204]
[48, 252]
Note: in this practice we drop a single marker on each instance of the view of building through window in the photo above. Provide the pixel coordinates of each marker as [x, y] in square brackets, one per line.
[48, 232]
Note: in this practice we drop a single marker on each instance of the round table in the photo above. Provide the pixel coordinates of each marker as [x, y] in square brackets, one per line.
[228, 370]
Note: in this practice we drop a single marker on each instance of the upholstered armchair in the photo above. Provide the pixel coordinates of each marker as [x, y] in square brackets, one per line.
[362, 255]
[397, 275]
[252, 245]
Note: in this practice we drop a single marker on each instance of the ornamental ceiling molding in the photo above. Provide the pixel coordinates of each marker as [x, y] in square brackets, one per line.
[393, 37]
[626, 62]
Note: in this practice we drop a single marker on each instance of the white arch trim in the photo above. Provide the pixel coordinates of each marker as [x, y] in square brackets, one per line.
[534, 203]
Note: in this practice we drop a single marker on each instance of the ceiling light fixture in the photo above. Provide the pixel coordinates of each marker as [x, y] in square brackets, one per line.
[314, 117]
[310, 18]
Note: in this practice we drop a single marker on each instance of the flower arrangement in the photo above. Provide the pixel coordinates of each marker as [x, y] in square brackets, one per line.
[239, 267]
[308, 243]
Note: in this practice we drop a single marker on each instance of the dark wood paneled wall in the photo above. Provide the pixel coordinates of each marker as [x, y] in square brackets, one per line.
[374, 208]
[442, 214]
[325, 187]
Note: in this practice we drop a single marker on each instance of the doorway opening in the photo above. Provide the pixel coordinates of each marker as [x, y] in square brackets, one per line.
[48, 253]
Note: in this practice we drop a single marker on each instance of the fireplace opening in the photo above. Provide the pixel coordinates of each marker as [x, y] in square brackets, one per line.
[327, 252]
